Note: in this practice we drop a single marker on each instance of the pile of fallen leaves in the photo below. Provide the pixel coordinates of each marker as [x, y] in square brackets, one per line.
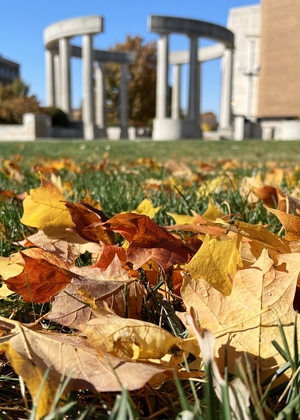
[131, 312]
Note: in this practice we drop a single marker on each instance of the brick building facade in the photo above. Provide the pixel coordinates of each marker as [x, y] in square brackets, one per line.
[279, 87]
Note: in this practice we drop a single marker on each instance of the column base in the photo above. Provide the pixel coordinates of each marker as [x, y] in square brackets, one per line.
[225, 133]
[124, 133]
[168, 129]
[92, 132]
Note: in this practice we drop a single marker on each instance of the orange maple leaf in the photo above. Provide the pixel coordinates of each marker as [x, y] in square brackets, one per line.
[39, 281]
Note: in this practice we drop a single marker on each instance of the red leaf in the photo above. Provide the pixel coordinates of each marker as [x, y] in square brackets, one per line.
[39, 281]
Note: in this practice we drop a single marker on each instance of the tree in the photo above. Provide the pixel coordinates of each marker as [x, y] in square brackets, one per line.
[141, 85]
[209, 121]
[14, 102]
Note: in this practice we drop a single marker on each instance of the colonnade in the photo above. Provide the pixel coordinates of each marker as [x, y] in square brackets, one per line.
[58, 73]
[164, 127]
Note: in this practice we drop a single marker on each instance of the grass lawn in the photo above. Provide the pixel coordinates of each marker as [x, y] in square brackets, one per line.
[120, 175]
[285, 152]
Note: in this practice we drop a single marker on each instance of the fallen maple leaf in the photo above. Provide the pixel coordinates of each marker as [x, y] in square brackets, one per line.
[147, 240]
[44, 208]
[88, 223]
[132, 338]
[290, 222]
[146, 208]
[247, 320]
[39, 281]
[216, 262]
[32, 353]
[111, 287]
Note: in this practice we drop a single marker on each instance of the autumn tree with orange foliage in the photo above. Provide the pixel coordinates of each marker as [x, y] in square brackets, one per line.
[141, 85]
[14, 102]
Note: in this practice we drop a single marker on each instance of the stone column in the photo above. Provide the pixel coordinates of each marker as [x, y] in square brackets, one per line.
[193, 77]
[65, 74]
[50, 88]
[198, 95]
[100, 96]
[88, 88]
[57, 81]
[124, 101]
[162, 76]
[226, 92]
[176, 92]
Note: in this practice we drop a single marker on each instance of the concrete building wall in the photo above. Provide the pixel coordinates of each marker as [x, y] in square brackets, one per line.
[279, 93]
[245, 23]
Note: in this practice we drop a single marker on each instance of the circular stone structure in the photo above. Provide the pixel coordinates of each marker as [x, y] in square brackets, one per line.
[58, 73]
[164, 127]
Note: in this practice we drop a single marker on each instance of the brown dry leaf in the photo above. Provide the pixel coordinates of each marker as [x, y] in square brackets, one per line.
[39, 281]
[32, 353]
[290, 222]
[112, 287]
[147, 241]
[178, 169]
[216, 262]
[247, 320]
[88, 223]
[67, 248]
[44, 208]
[133, 339]
[108, 254]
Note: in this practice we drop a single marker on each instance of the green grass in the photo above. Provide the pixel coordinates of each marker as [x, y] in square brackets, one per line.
[187, 150]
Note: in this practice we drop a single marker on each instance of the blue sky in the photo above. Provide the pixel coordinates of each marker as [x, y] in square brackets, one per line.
[22, 23]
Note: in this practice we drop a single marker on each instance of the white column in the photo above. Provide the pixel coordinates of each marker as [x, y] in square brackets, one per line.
[124, 101]
[226, 92]
[100, 96]
[57, 81]
[64, 52]
[88, 87]
[50, 88]
[176, 92]
[162, 76]
[193, 77]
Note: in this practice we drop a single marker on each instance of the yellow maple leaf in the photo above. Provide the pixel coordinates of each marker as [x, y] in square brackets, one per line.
[212, 211]
[182, 219]
[146, 207]
[44, 208]
[247, 320]
[11, 266]
[216, 262]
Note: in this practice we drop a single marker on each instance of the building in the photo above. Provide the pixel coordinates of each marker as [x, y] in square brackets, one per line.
[9, 70]
[266, 84]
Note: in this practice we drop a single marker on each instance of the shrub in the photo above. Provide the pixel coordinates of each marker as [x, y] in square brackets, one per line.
[59, 117]
[12, 110]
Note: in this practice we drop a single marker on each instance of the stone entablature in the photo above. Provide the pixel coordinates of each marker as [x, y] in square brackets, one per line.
[164, 127]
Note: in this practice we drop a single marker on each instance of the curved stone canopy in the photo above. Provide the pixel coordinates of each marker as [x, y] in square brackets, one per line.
[211, 52]
[72, 27]
[191, 27]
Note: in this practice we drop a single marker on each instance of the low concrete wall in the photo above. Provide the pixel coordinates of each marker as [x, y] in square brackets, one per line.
[114, 133]
[34, 126]
[281, 130]
[169, 129]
